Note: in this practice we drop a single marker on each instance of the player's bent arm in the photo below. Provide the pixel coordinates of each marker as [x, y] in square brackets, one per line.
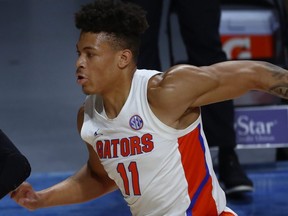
[88, 183]
[85, 185]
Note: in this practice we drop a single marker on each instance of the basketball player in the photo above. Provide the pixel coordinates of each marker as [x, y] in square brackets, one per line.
[14, 166]
[143, 128]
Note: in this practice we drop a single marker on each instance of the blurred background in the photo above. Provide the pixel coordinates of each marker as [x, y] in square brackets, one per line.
[39, 95]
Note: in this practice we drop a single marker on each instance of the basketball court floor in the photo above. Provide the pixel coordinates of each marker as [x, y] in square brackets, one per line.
[39, 99]
[268, 199]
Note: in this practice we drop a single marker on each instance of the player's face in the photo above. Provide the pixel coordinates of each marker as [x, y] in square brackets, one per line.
[97, 63]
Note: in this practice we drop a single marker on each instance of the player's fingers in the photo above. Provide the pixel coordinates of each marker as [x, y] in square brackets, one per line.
[25, 196]
[21, 191]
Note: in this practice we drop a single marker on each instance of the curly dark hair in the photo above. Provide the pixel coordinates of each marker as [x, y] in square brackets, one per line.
[124, 21]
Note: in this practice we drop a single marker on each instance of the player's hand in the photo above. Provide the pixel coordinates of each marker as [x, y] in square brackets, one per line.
[26, 197]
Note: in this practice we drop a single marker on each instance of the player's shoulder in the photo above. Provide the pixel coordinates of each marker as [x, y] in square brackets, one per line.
[176, 73]
[182, 68]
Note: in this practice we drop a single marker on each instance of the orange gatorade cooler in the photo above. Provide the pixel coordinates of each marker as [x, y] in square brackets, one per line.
[248, 34]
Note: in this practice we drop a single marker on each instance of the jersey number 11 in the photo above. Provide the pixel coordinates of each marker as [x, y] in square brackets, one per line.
[132, 168]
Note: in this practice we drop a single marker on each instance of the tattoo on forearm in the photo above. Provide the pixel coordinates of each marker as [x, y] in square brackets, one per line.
[280, 90]
[278, 72]
[281, 75]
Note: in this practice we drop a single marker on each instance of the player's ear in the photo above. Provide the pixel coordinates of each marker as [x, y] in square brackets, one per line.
[125, 58]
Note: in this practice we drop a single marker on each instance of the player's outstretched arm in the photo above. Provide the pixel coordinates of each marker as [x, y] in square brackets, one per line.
[197, 86]
[182, 88]
[235, 78]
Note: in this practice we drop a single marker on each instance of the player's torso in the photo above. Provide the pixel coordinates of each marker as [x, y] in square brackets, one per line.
[142, 155]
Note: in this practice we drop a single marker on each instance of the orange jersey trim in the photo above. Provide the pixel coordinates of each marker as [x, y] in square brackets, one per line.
[192, 149]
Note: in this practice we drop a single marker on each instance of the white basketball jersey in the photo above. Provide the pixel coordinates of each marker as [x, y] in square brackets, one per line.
[159, 170]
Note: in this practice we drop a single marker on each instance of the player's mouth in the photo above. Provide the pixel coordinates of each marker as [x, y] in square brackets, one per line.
[81, 79]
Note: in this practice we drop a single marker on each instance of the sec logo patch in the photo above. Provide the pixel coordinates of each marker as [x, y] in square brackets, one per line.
[136, 122]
